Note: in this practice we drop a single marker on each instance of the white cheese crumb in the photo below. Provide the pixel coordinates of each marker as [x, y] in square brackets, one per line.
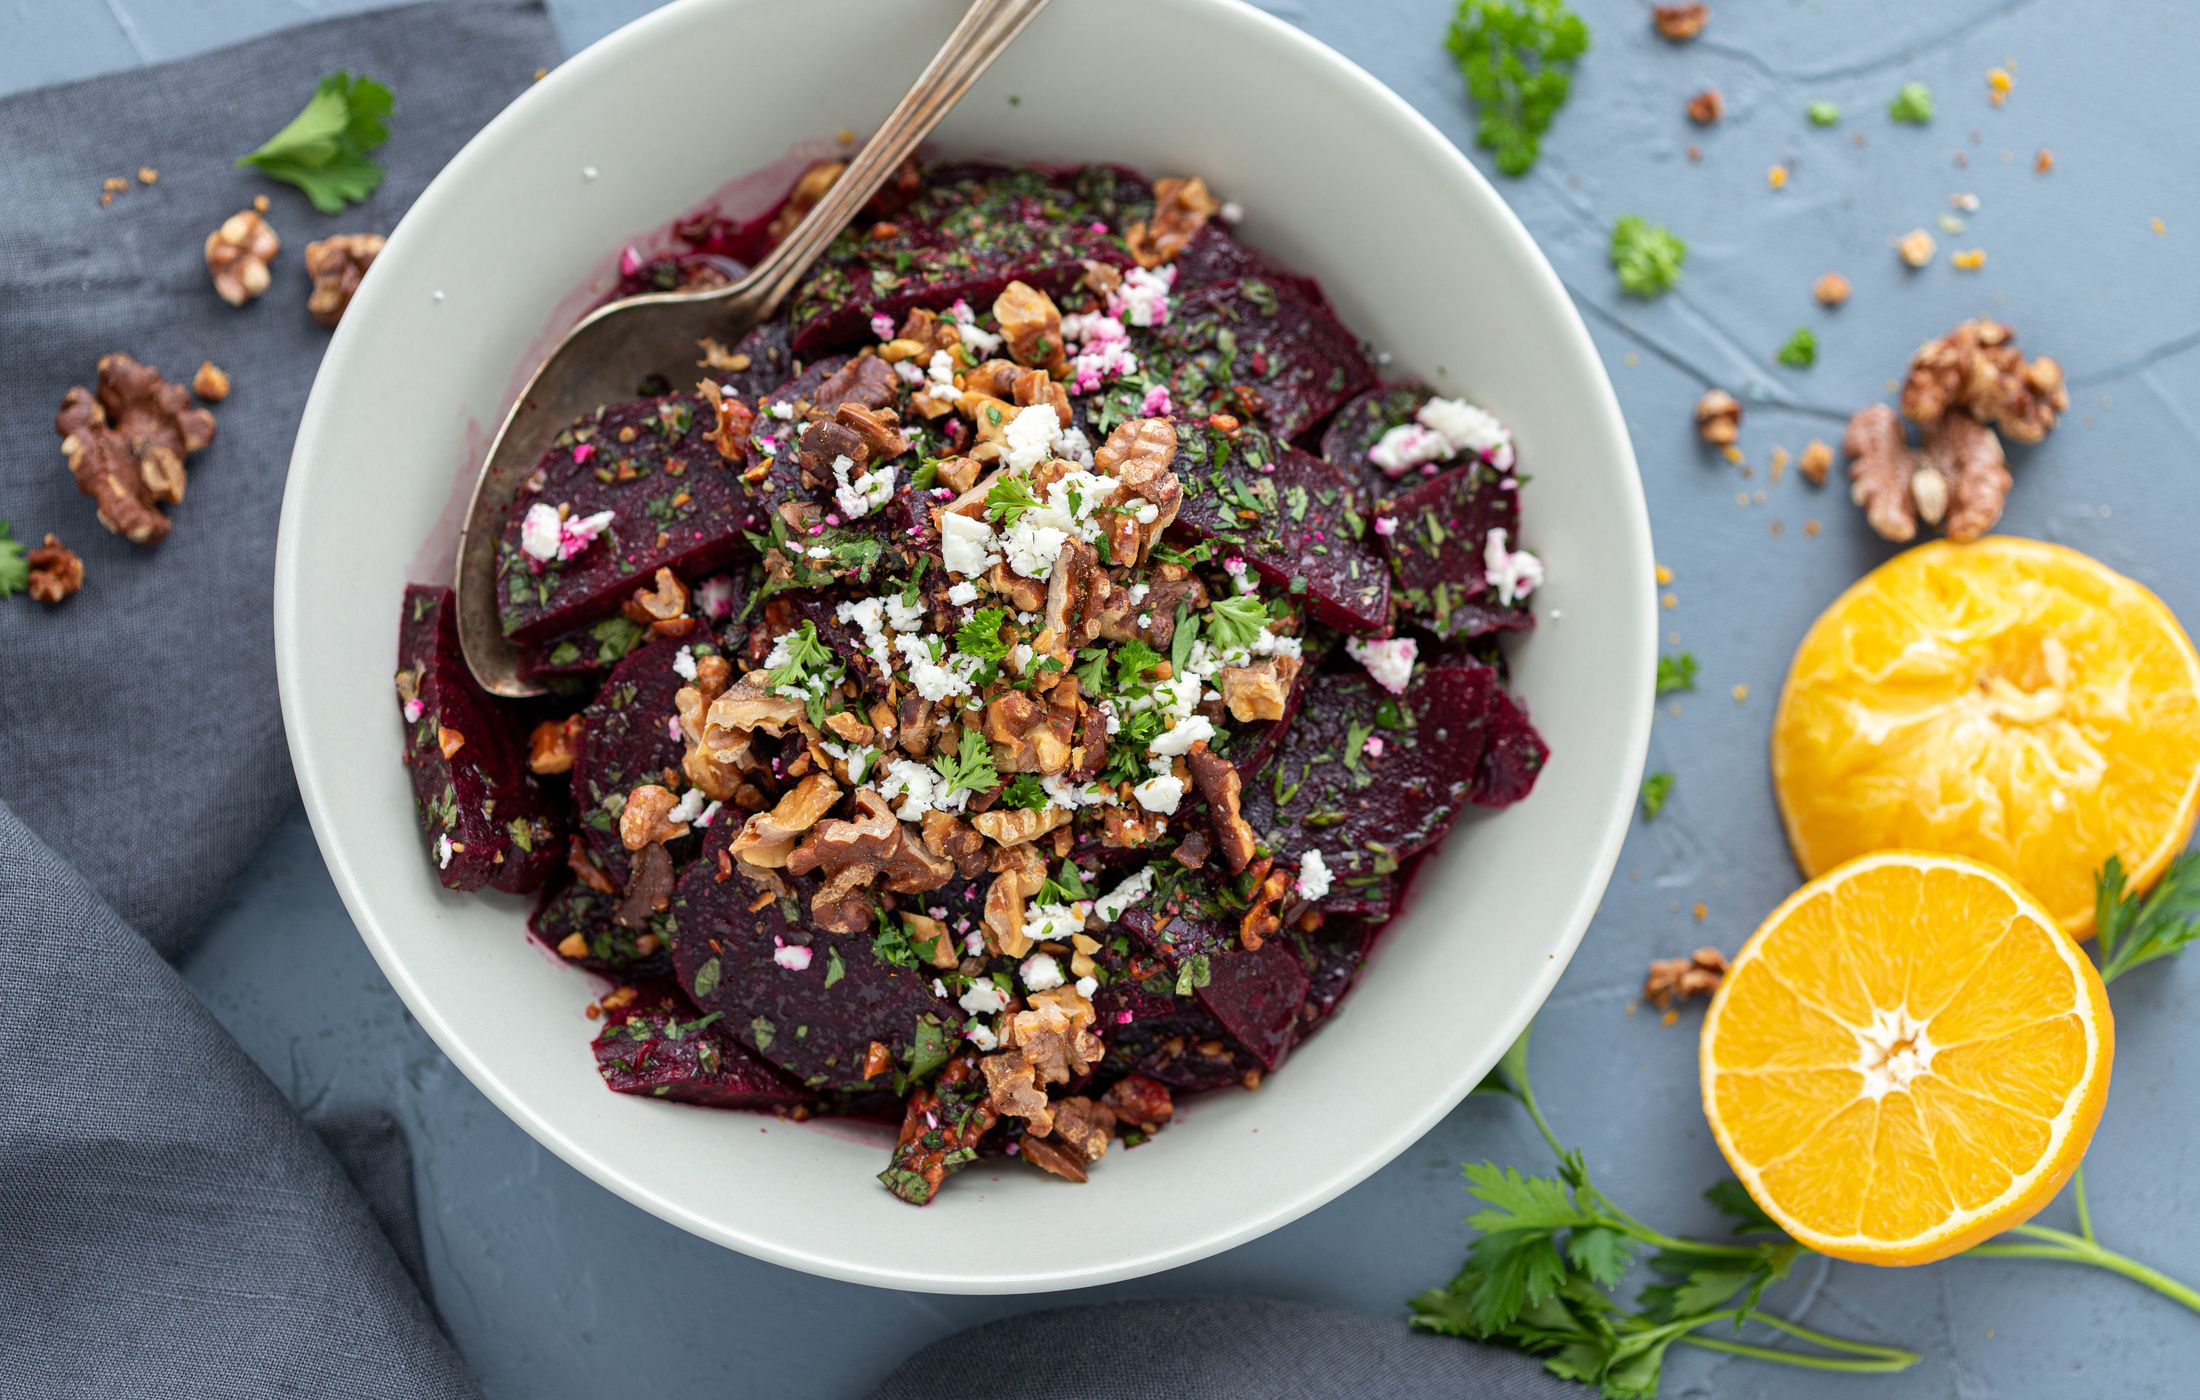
[859, 496]
[683, 663]
[962, 595]
[967, 545]
[1160, 793]
[1041, 972]
[983, 998]
[1313, 880]
[1134, 889]
[688, 808]
[1086, 986]
[1514, 573]
[1179, 740]
[792, 956]
[1389, 661]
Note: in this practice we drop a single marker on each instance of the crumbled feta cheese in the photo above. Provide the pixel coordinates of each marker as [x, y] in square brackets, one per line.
[688, 808]
[715, 595]
[1044, 921]
[545, 536]
[1143, 297]
[909, 372]
[1514, 573]
[414, 710]
[935, 680]
[782, 410]
[1074, 446]
[882, 326]
[1232, 212]
[1160, 793]
[443, 851]
[903, 615]
[859, 496]
[919, 786]
[1407, 446]
[1086, 986]
[1172, 742]
[1468, 429]
[683, 663]
[1134, 889]
[962, 595]
[792, 956]
[940, 370]
[1029, 437]
[1386, 525]
[983, 343]
[1033, 546]
[968, 545]
[1389, 661]
[1041, 972]
[709, 814]
[984, 998]
[981, 1036]
[865, 614]
[1313, 880]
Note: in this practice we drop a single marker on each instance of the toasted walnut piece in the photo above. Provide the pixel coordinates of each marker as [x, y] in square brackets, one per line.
[1031, 325]
[582, 863]
[1880, 470]
[56, 572]
[1052, 1157]
[1679, 23]
[1217, 780]
[1085, 1126]
[211, 383]
[733, 420]
[649, 883]
[877, 1059]
[955, 842]
[846, 902]
[1261, 691]
[1072, 613]
[1263, 917]
[957, 474]
[745, 708]
[878, 428]
[717, 356]
[1101, 279]
[1124, 829]
[573, 945]
[866, 379]
[553, 744]
[1718, 417]
[1012, 826]
[767, 839]
[1977, 368]
[1055, 1035]
[126, 444]
[1915, 247]
[1181, 208]
[1831, 289]
[1145, 1103]
[1966, 454]
[1019, 871]
[930, 937]
[1696, 975]
[1013, 1089]
[849, 728]
[1816, 460]
[717, 772]
[1706, 107]
[1036, 386]
[662, 600]
[237, 255]
[642, 821]
[824, 444]
[1139, 454]
[336, 265]
[809, 188]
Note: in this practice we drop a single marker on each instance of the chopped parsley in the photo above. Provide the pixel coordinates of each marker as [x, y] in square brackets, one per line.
[970, 768]
[1655, 788]
[15, 568]
[323, 150]
[1007, 499]
[1235, 623]
[1646, 256]
[1025, 793]
[1517, 59]
[981, 637]
[1822, 113]
[1801, 350]
[1913, 104]
[1676, 673]
[807, 658]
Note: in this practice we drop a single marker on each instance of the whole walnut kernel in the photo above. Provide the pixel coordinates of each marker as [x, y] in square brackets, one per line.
[336, 265]
[126, 444]
[237, 255]
[1031, 324]
[56, 572]
[1719, 417]
[1680, 23]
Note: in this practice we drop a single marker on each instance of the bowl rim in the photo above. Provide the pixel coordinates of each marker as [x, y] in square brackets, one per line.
[1284, 1207]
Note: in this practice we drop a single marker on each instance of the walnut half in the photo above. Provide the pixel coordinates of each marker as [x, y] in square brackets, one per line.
[336, 265]
[126, 444]
[237, 255]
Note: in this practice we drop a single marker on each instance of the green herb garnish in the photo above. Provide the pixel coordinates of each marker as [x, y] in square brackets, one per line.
[15, 567]
[981, 637]
[1801, 349]
[1517, 57]
[970, 768]
[1235, 623]
[1646, 256]
[2129, 931]
[1025, 793]
[1008, 498]
[1913, 104]
[1822, 113]
[1676, 673]
[1655, 788]
[323, 150]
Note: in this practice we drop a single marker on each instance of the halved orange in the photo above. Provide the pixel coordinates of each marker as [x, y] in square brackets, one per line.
[2008, 700]
[1909, 1056]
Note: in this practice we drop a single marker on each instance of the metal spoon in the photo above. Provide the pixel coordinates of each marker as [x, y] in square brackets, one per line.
[615, 347]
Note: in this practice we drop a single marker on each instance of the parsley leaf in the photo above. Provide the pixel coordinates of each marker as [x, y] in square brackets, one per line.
[1517, 58]
[1676, 673]
[1132, 660]
[1655, 787]
[1007, 499]
[2131, 931]
[1913, 104]
[323, 150]
[1646, 256]
[981, 635]
[1822, 113]
[1024, 792]
[1801, 350]
[15, 568]
[806, 657]
[1235, 622]
[970, 768]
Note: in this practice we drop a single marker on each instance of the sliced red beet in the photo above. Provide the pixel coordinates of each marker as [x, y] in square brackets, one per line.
[594, 646]
[628, 738]
[1256, 995]
[1291, 515]
[675, 503]
[611, 950]
[1437, 551]
[815, 1019]
[659, 1048]
[1366, 813]
[973, 230]
[1333, 956]
[1185, 1048]
[1360, 424]
[1513, 757]
[485, 820]
[1215, 256]
[769, 362]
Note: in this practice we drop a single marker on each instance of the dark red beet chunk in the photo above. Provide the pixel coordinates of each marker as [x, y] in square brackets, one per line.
[1513, 757]
[770, 362]
[677, 504]
[1366, 814]
[1360, 424]
[1250, 347]
[1184, 1047]
[815, 1022]
[973, 230]
[627, 739]
[1300, 525]
[612, 950]
[596, 646]
[1256, 996]
[661, 1049]
[1436, 552]
[485, 821]
[1333, 956]
[1215, 256]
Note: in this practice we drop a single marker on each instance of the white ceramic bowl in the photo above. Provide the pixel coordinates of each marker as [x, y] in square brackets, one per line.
[1340, 179]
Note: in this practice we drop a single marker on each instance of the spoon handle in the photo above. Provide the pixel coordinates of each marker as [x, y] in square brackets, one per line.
[985, 30]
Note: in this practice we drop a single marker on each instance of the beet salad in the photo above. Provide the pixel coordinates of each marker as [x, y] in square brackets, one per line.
[1005, 693]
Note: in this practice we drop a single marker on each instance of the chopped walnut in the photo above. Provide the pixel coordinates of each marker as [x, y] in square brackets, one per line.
[336, 265]
[1706, 107]
[1181, 208]
[1831, 289]
[649, 883]
[211, 383]
[1964, 454]
[1679, 23]
[1263, 917]
[1718, 417]
[642, 821]
[930, 937]
[745, 708]
[876, 841]
[1696, 975]
[717, 356]
[1915, 247]
[1019, 871]
[1011, 826]
[1816, 461]
[56, 572]
[809, 188]
[956, 842]
[662, 602]
[878, 428]
[1260, 691]
[846, 902]
[1054, 1158]
[1140, 453]
[1977, 368]
[1217, 780]
[1031, 325]
[1083, 1126]
[1013, 1089]
[717, 772]
[767, 839]
[734, 419]
[1144, 1103]
[1881, 467]
[553, 744]
[237, 255]
[126, 444]
[866, 379]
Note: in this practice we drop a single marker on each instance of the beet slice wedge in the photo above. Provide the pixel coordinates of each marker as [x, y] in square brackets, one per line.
[629, 737]
[1360, 424]
[815, 1020]
[605, 947]
[1364, 813]
[1257, 995]
[1334, 956]
[1436, 552]
[485, 820]
[971, 231]
[593, 647]
[1514, 756]
[1291, 515]
[675, 503]
[659, 1048]
[1215, 256]
[1185, 1048]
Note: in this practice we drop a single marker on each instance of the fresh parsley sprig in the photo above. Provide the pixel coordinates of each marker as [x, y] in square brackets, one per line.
[323, 150]
[15, 565]
[1646, 257]
[1517, 57]
[1236, 621]
[1676, 672]
[969, 768]
[1007, 499]
[2130, 930]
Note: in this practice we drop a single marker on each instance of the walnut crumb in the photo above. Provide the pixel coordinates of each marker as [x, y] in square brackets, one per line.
[1816, 461]
[237, 255]
[56, 572]
[1679, 23]
[1719, 417]
[336, 264]
[1916, 247]
[1706, 107]
[1681, 979]
[211, 383]
[1831, 289]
